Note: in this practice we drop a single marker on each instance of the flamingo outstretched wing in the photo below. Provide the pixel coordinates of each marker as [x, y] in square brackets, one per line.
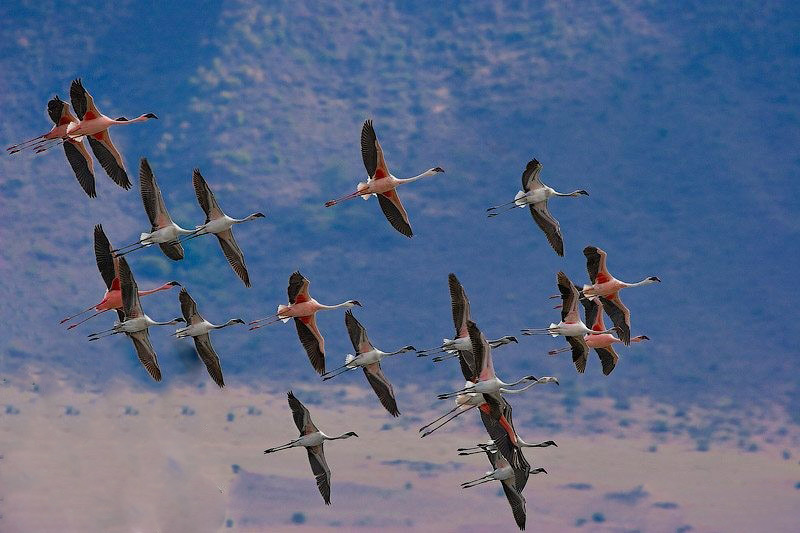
[152, 199]
[569, 299]
[298, 288]
[82, 101]
[382, 387]
[312, 341]
[580, 352]
[205, 351]
[549, 225]
[205, 197]
[619, 314]
[130, 292]
[460, 306]
[608, 358]
[395, 212]
[78, 158]
[596, 264]
[301, 415]
[109, 158]
[372, 153]
[316, 458]
[234, 255]
[146, 353]
[530, 176]
[357, 333]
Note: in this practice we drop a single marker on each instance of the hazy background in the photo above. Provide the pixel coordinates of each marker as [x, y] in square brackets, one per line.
[681, 120]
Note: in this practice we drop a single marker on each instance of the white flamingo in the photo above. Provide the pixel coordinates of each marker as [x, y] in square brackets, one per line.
[198, 328]
[221, 225]
[312, 439]
[535, 194]
[163, 230]
[369, 359]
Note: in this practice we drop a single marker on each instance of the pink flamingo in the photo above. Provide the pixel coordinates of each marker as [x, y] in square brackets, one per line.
[77, 156]
[381, 183]
[602, 343]
[108, 265]
[607, 287]
[303, 308]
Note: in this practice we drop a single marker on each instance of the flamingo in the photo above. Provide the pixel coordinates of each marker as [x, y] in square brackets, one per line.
[571, 325]
[221, 225]
[136, 322]
[312, 439]
[368, 358]
[63, 121]
[94, 126]
[491, 446]
[460, 307]
[198, 328]
[607, 287]
[535, 194]
[381, 182]
[303, 309]
[163, 231]
[602, 343]
[467, 399]
[487, 381]
[502, 471]
[77, 156]
[108, 266]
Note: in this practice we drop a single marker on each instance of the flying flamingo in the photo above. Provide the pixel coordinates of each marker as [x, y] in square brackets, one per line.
[535, 194]
[77, 156]
[135, 323]
[502, 471]
[368, 358]
[381, 183]
[163, 231]
[491, 446]
[63, 120]
[468, 399]
[460, 307]
[487, 381]
[312, 439]
[108, 266]
[607, 287]
[221, 225]
[602, 343]
[94, 126]
[198, 328]
[571, 325]
[303, 309]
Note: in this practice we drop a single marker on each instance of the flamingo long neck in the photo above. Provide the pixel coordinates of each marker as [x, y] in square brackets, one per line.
[140, 118]
[337, 306]
[226, 324]
[573, 193]
[164, 287]
[401, 181]
[516, 391]
[170, 323]
[646, 281]
[245, 219]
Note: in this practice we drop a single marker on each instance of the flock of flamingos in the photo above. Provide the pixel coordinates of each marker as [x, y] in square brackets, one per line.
[482, 388]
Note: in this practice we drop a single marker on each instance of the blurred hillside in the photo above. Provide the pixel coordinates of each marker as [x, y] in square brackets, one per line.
[681, 123]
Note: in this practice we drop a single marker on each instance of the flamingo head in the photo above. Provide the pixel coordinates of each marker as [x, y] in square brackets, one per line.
[654, 279]
[509, 339]
[580, 192]
[237, 321]
[349, 434]
[258, 215]
[174, 284]
[353, 303]
[437, 169]
[548, 379]
[538, 471]
[151, 115]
